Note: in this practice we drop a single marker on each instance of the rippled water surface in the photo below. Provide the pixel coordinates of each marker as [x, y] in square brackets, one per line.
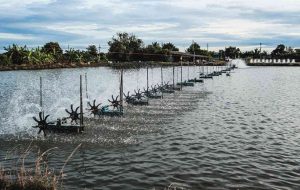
[237, 132]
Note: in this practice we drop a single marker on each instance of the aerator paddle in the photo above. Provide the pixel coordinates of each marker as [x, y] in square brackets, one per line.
[115, 102]
[73, 114]
[42, 123]
[94, 108]
[128, 97]
[154, 89]
[138, 94]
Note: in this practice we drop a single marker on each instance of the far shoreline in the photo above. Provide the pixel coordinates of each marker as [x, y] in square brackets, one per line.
[115, 65]
[129, 65]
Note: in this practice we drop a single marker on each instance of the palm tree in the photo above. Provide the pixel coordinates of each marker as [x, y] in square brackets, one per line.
[7, 60]
[17, 53]
[71, 55]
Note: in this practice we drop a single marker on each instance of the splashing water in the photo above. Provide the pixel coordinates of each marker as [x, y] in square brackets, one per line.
[20, 90]
[240, 63]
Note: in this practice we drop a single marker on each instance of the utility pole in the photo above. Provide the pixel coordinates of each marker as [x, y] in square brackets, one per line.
[99, 48]
[194, 51]
[260, 51]
[200, 52]
[207, 51]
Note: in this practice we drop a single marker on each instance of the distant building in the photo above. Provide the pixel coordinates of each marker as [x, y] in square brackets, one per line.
[176, 55]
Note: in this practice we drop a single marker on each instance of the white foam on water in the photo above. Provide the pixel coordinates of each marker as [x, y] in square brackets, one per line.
[240, 63]
[61, 89]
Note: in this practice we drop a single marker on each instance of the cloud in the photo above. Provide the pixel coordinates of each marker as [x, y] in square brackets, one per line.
[219, 23]
[10, 36]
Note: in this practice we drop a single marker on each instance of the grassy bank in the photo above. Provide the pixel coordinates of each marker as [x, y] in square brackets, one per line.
[38, 176]
[50, 66]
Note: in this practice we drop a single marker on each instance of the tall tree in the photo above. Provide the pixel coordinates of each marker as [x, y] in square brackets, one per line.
[92, 50]
[279, 52]
[153, 52]
[195, 47]
[54, 49]
[125, 47]
[169, 46]
[232, 52]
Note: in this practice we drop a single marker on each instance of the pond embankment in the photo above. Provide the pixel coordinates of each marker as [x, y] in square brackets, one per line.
[274, 64]
[116, 65]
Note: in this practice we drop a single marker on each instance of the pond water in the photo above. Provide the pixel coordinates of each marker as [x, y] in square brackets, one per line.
[237, 132]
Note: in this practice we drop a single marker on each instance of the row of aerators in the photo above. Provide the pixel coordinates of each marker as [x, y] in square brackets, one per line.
[74, 123]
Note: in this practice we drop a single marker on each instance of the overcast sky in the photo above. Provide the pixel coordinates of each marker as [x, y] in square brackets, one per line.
[219, 23]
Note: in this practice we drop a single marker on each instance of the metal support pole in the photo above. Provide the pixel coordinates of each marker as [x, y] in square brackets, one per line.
[41, 93]
[147, 80]
[121, 90]
[41, 97]
[86, 88]
[173, 76]
[188, 75]
[162, 81]
[181, 73]
[81, 105]
[177, 74]
[162, 77]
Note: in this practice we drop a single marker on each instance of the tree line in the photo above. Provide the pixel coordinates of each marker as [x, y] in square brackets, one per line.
[280, 52]
[124, 47]
[50, 53]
